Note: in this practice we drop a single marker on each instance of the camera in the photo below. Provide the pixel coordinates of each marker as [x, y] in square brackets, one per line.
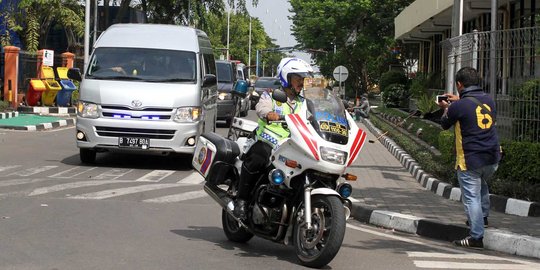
[441, 98]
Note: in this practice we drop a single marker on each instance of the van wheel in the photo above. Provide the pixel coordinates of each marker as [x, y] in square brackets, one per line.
[87, 155]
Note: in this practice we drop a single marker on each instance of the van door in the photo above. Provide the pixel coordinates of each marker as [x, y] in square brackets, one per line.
[209, 92]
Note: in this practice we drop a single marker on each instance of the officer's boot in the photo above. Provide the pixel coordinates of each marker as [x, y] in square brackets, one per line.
[245, 185]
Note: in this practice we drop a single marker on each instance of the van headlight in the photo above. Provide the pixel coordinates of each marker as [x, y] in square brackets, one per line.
[225, 96]
[187, 114]
[333, 155]
[87, 110]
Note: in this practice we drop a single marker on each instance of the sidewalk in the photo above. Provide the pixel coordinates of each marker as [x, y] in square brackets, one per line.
[390, 196]
[37, 118]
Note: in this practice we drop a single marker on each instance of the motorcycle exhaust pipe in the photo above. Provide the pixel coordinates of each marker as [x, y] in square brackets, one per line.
[219, 195]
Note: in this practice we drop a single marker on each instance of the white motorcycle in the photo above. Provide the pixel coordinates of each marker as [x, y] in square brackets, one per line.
[302, 196]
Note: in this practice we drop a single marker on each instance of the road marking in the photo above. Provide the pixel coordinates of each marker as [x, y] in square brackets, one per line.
[45, 190]
[193, 179]
[178, 197]
[113, 174]
[105, 194]
[31, 171]
[155, 176]
[15, 182]
[5, 168]
[72, 172]
[447, 249]
[464, 265]
[468, 256]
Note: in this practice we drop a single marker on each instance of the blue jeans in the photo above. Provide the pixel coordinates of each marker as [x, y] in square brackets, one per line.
[475, 196]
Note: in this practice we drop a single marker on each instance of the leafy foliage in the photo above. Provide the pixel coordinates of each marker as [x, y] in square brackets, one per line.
[426, 104]
[526, 108]
[361, 32]
[392, 77]
[422, 82]
[395, 96]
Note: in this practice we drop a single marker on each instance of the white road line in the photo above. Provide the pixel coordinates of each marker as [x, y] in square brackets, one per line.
[468, 256]
[5, 168]
[178, 197]
[15, 182]
[193, 179]
[461, 265]
[112, 174]
[432, 246]
[31, 171]
[72, 172]
[155, 176]
[45, 190]
[105, 194]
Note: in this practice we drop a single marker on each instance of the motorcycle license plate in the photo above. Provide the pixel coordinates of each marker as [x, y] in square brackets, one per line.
[133, 142]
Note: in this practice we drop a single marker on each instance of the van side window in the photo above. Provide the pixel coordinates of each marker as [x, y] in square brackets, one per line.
[209, 64]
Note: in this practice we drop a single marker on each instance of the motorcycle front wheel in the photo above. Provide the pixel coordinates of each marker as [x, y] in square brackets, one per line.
[233, 230]
[317, 246]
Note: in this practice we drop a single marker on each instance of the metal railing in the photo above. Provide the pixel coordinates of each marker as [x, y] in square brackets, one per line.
[514, 55]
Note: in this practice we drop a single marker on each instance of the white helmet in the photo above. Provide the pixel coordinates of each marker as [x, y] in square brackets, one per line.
[289, 66]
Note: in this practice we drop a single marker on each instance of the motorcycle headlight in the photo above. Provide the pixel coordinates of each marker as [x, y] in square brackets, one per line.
[255, 94]
[225, 96]
[187, 114]
[333, 155]
[87, 110]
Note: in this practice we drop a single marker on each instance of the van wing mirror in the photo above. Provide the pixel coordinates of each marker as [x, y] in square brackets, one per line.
[209, 79]
[74, 74]
[279, 95]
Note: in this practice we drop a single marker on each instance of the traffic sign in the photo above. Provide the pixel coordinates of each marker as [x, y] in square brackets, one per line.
[341, 73]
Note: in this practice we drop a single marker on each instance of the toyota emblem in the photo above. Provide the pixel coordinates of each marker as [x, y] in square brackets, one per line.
[136, 103]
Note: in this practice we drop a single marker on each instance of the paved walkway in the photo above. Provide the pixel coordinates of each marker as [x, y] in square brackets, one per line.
[385, 185]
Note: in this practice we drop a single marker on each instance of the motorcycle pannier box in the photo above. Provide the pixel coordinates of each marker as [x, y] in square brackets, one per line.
[214, 155]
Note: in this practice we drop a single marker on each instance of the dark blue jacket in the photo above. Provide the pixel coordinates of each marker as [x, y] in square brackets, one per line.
[477, 144]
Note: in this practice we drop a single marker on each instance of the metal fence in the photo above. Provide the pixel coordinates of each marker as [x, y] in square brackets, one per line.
[515, 82]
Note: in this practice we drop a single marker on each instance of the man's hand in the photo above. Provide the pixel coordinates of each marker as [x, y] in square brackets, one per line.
[272, 116]
[451, 98]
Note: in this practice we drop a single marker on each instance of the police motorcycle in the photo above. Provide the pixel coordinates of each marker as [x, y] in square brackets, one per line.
[301, 199]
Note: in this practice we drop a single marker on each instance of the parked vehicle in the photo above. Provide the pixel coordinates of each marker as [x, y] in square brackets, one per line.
[263, 84]
[147, 88]
[227, 78]
[301, 199]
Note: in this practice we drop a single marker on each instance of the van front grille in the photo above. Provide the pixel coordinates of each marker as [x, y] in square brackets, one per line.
[128, 116]
[125, 108]
[163, 134]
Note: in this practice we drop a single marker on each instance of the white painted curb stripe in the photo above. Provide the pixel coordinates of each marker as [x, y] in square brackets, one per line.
[400, 222]
[517, 207]
[455, 194]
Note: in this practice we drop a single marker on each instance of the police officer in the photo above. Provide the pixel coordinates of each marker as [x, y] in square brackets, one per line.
[291, 73]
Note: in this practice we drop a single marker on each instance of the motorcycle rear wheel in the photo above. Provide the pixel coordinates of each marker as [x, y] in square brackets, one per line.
[317, 247]
[233, 230]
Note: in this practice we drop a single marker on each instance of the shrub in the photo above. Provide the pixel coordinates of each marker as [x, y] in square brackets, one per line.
[3, 105]
[525, 99]
[447, 146]
[521, 162]
[392, 77]
[422, 82]
[426, 104]
[395, 95]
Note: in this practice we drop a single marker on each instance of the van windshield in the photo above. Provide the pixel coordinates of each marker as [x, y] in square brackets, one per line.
[152, 65]
[224, 71]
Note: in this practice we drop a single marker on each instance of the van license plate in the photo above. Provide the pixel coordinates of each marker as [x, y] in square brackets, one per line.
[142, 143]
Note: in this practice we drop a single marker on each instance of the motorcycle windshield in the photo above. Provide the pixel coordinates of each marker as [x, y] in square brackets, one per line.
[326, 112]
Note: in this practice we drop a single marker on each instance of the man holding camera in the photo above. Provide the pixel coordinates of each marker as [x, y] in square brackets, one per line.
[472, 114]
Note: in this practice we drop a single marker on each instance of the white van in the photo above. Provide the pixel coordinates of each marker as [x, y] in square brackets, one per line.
[147, 88]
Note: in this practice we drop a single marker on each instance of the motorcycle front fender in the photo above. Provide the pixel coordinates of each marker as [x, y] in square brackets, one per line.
[331, 192]
[324, 191]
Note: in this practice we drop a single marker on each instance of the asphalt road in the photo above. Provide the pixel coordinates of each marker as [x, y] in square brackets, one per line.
[147, 212]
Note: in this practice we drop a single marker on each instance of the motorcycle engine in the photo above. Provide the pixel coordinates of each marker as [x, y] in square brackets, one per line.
[267, 208]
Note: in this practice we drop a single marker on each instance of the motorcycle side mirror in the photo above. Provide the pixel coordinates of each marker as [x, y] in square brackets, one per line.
[74, 74]
[279, 95]
[209, 79]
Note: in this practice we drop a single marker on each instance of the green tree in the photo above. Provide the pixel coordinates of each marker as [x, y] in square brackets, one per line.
[360, 32]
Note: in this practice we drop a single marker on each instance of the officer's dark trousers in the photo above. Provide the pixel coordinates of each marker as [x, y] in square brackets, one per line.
[254, 164]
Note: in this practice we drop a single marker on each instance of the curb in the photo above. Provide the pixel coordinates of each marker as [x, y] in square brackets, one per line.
[499, 203]
[48, 110]
[44, 126]
[8, 115]
[494, 239]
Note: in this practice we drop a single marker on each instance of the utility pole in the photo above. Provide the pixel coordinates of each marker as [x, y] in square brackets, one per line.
[249, 50]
